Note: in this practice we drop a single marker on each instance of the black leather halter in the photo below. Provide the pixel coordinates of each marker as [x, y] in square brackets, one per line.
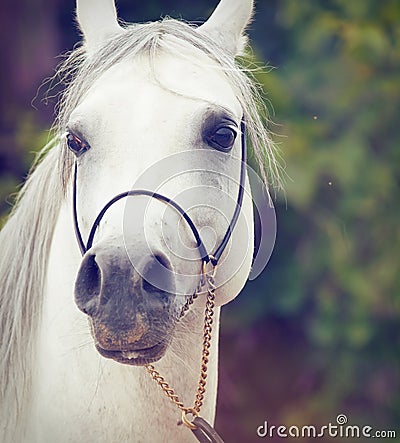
[204, 255]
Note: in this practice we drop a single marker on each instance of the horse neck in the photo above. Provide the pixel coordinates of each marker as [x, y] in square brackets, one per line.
[118, 402]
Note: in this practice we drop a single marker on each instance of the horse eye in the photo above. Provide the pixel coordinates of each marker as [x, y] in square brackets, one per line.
[223, 138]
[76, 145]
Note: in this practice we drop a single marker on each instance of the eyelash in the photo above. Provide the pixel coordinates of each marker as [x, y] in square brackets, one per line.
[223, 138]
[76, 144]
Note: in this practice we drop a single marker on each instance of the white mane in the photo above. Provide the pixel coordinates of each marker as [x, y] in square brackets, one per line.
[26, 238]
[25, 243]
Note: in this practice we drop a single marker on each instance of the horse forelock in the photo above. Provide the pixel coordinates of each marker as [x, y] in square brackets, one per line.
[81, 70]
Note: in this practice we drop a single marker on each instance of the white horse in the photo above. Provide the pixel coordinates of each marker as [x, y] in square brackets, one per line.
[71, 370]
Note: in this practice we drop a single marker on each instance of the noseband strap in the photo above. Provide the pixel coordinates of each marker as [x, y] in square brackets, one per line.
[204, 255]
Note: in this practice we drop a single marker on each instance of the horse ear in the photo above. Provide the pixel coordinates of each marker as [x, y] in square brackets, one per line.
[97, 20]
[227, 24]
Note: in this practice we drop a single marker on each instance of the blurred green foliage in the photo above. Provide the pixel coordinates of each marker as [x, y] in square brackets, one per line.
[318, 333]
[330, 294]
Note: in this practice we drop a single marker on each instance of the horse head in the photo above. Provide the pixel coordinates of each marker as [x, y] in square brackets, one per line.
[155, 125]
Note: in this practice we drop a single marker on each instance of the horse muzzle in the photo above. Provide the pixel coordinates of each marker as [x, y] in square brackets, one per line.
[132, 312]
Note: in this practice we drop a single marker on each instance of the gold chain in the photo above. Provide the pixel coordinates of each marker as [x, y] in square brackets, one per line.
[207, 333]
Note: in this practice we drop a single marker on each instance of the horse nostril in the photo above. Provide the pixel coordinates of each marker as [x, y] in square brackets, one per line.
[88, 284]
[157, 277]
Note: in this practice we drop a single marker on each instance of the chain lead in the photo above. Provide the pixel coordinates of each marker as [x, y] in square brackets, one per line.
[209, 279]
